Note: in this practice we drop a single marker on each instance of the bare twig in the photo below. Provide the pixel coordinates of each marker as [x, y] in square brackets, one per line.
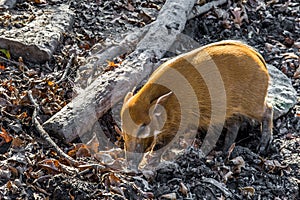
[45, 135]
[199, 10]
[219, 185]
[13, 62]
[9, 61]
[67, 69]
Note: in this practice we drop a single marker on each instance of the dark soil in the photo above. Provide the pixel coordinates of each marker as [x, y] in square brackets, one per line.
[30, 169]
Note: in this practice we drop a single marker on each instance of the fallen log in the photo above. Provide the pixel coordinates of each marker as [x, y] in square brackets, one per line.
[79, 116]
[87, 72]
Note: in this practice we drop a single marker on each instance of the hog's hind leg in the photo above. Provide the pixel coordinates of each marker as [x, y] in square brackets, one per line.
[266, 129]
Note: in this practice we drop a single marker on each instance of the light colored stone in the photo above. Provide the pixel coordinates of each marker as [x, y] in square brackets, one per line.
[281, 93]
[37, 41]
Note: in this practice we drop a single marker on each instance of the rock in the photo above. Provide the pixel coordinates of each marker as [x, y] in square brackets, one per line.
[37, 41]
[281, 93]
[5, 4]
[283, 131]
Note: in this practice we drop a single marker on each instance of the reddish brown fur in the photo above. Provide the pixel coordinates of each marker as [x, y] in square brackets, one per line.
[245, 78]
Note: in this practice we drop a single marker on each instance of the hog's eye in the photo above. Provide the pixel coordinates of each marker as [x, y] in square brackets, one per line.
[143, 131]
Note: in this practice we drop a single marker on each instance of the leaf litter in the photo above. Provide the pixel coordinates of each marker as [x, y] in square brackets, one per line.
[29, 168]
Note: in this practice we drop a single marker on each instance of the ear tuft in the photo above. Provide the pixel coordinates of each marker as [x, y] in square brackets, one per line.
[158, 107]
[159, 113]
[163, 98]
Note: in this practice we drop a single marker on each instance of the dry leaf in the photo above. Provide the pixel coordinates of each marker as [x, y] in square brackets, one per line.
[247, 191]
[183, 189]
[171, 196]
[47, 110]
[6, 138]
[231, 148]
[114, 180]
[82, 152]
[40, 1]
[201, 2]
[273, 166]
[129, 7]
[104, 158]
[297, 74]
[239, 15]
[51, 165]
[22, 116]
[227, 176]
[117, 190]
[14, 171]
[238, 163]
[79, 150]
[290, 55]
[111, 65]
[297, 45]
[17, 142]
[269, 47]
[50, 83]
[5, 173]
[290, 136]
[272, 2]
[93, 144]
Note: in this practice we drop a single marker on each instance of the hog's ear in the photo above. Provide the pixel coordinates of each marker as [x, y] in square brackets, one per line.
[159, 113]
[161, 100]
[128, 96]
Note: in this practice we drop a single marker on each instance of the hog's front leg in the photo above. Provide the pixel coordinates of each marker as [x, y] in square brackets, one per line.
[231, 134]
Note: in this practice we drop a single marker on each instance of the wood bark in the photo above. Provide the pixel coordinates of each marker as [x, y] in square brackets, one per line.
[79, 116]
